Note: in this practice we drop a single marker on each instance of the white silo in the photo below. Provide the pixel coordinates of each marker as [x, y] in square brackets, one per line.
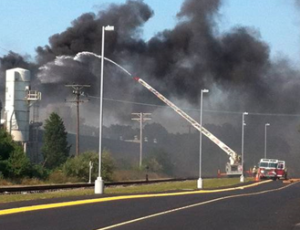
[16, 104]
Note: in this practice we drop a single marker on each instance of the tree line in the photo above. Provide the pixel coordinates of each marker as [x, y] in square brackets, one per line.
[57, 161]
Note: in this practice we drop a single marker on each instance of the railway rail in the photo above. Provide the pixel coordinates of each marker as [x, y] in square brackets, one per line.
[4, 190]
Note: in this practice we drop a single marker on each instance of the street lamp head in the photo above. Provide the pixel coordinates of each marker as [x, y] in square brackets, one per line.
[204, 90]
[245, 113]
[267, 124]
[109, 28]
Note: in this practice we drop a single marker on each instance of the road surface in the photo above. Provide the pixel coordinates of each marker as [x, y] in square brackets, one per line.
[272, 205]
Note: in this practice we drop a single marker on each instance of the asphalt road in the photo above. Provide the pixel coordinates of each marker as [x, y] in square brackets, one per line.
[271, 205]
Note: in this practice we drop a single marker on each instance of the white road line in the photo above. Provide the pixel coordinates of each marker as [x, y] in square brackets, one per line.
[191, 206]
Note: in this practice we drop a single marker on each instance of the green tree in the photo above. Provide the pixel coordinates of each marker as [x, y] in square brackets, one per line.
[55, 148]
[78, 166]
[18, 164]
[13, 161]
[6, 144]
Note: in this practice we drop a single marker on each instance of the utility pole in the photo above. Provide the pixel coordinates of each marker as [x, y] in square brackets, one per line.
[141, 117]
[77, 91]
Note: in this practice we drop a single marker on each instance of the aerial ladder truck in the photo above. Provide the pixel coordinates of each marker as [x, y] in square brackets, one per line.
[233, 167]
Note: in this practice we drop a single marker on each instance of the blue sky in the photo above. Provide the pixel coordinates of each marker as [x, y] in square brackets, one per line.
[24, 25]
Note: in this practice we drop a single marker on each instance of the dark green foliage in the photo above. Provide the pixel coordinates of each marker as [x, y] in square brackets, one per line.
[18, 164]
[55, 149]
[3, 169]
[38, 171]
[13, 161]
[78, 166]
[6, 144]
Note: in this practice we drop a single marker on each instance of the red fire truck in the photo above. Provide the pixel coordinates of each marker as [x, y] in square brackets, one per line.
[272, 169]
[267, 169]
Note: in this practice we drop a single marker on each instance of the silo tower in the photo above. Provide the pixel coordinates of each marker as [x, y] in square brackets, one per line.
[17, 102]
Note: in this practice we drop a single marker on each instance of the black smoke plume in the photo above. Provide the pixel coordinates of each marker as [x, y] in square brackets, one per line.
[235, 65]
[178, 62]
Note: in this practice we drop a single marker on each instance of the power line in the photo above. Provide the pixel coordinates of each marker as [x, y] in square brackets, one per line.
[206, 110]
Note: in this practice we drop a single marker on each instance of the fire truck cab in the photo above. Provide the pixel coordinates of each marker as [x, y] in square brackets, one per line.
[267, 169]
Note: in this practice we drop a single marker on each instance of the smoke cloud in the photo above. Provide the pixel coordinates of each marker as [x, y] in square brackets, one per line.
[178, 62]
[235, 65]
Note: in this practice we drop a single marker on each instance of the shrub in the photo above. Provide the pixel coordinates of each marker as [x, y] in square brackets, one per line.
[78, 166]
[38, 171]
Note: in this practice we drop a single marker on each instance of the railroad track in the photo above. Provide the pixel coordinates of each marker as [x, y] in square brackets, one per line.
[45, 188]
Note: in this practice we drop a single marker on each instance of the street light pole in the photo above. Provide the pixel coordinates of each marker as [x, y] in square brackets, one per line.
[242, 179]
[266, 125]
[99, 185]
[200, 182]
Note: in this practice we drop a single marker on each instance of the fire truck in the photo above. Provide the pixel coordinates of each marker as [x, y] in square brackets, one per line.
[272, 169]
[233, 167]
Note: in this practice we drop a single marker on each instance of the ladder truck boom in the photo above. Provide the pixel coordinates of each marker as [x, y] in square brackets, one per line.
[233, 167]
[233, 156]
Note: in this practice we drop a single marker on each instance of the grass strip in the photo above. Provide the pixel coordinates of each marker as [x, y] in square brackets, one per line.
[133, 189]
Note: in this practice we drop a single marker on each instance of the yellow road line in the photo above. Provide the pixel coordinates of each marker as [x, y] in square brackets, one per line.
[189, 206]
[114, 198]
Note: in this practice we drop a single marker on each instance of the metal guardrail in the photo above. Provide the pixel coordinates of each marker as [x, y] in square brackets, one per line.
[44, 188]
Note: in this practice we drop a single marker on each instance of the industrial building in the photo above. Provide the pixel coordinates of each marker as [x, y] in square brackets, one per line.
[20, 100]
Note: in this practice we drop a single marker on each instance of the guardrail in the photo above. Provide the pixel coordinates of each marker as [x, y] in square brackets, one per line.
[44, 188]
